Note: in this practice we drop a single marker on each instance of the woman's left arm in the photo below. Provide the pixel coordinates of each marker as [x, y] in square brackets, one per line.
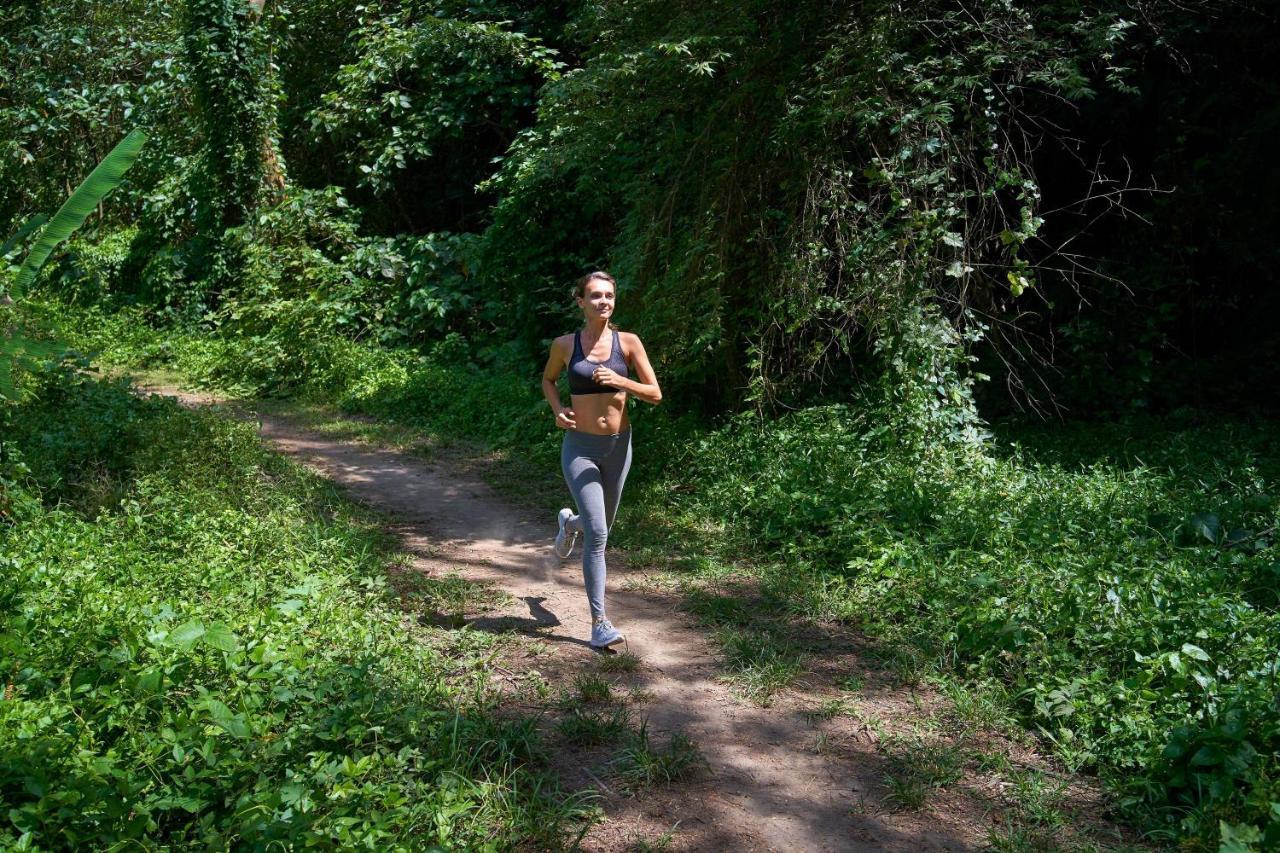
[647, 387]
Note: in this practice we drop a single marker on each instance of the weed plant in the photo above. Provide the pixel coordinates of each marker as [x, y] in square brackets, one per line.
[915, 768]
[583, 727]
[1120, 580]
[198, 648]
[640, 844]
[618, 662]
[593, 689]
[639, 764]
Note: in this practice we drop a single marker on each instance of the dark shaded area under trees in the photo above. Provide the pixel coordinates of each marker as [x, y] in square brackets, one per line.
[879, 226]
[1179, 236]
[682, 144]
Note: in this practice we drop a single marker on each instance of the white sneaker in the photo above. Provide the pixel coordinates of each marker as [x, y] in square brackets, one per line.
[603, 635]
[565, 539]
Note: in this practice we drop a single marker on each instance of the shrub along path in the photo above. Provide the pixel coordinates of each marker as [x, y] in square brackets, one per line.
[785, 777]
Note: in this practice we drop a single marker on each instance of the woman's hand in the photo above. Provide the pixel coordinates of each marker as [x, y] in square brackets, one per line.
[565, 419]
[606, 377]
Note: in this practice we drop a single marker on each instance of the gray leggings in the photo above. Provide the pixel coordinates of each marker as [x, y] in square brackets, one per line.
[595, 467]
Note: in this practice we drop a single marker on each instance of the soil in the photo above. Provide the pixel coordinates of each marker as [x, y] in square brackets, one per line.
[776, 778]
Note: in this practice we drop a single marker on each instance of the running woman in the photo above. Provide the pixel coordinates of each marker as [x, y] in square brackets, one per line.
[596, 453]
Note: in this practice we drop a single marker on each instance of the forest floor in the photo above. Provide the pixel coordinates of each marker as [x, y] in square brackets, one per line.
[846, 757]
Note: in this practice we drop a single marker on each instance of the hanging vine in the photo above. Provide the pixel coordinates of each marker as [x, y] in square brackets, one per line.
[230, 71]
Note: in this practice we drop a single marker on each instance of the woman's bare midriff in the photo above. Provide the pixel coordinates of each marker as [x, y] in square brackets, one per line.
[600, 414]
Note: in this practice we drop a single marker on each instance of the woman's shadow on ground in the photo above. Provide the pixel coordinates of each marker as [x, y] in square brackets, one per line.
[536, 624]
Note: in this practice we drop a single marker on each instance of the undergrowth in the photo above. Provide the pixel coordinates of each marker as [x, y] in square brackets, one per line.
[1119, 580]
[198, 648]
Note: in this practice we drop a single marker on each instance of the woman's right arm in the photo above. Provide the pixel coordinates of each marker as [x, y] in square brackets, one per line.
[556, 362]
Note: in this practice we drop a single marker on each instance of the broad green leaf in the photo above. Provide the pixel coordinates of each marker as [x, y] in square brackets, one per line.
[1018, 284]
[232, 723]
[1238, 536]
[149, 681]
[292, 793]
[32, 223]
[236, 726]
[221, 637]
[1194, 652]
[1207, 525]
[187, 804]
[105, 177]
[289, 606]
[218, 709]
[1237, 838]
[1207, 756]
[187, 634]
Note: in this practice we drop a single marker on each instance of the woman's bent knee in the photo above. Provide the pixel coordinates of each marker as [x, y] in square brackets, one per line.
[596, 532]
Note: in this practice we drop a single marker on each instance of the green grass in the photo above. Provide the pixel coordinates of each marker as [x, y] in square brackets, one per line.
[1039, 799]
[828, 709]
[982, 705]
[853, 683]
[1119, 581]
[620, 662]
[760, 654]
[322, 419]
[1019, 838]
[200, 647]
[758, 664]
[584, 727]
[655, 845]
[916, 767]
[1035, 818]
[640, 764]
[452, 597]
[593, 689]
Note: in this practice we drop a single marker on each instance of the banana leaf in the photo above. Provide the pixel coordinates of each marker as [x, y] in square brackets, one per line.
[18, 351]
[105, 177]
[32, 223]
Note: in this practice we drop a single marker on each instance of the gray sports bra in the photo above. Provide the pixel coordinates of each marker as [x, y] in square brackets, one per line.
[581, 368]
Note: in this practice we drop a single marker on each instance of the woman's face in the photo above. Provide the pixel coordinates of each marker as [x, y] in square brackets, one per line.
[597, 299]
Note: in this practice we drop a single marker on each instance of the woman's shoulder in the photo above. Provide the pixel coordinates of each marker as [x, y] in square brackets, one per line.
[630, 340]
[563, 342]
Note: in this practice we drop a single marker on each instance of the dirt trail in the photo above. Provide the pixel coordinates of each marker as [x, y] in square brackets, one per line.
[765, 787]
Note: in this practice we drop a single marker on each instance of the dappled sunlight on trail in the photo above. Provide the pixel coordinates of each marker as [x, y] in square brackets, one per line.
[765, 785]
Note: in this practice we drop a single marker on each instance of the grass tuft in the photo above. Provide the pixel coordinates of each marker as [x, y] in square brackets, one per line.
[662, 843]
[640, 765]
[618, 662]
[593, 689]
[592, 728]
[759, 663]
[915, 768]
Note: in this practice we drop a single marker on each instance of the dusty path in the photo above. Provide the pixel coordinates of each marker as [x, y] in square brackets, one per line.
[765, 787]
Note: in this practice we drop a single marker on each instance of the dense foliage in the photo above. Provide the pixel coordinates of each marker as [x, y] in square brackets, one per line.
[227, 62]
[76, 77]
[1120, 581]
[832, 185]
[199, 649]
[1117, 581]
[853, 214]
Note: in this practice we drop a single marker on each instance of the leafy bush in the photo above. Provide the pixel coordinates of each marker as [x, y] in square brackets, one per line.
[214, 660]
[1119, 578]
[1127, 596]
[422, 83]
[90, 270]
